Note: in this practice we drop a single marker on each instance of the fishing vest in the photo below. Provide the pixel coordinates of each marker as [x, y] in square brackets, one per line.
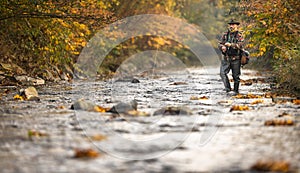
[232, 37]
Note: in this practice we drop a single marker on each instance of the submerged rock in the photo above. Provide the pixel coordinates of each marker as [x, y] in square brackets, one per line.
[172, 110]
[124, 107]
[134, 80]
[83, 105]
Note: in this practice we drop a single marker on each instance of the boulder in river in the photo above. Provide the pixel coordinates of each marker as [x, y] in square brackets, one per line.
[30, 94]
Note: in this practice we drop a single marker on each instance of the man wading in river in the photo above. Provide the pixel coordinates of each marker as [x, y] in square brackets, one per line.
[231, 45]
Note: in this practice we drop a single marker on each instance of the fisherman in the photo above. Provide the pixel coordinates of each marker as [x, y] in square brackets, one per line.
[231, 45]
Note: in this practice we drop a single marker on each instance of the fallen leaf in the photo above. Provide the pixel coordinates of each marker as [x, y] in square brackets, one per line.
[268, 95]
[61, 107]
[247, 82]
[257, 102]
[18, 97]
[86, 153]
[98, 137]
[198, 98]
[239, 108]
[296, 102]
[279, 122]
[274, 166]
[137, 113]
[225, 102]
[100, 109]
[247, 96]
[34, 133]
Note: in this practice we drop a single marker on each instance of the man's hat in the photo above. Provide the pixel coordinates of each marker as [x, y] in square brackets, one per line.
[232, 21]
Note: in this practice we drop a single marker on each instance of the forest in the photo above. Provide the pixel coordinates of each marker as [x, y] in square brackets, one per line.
[43, 38]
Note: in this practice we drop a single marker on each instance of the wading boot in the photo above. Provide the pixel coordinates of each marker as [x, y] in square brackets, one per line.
[236, 88]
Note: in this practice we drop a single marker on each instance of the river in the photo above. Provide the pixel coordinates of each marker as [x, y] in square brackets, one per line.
[206, 135]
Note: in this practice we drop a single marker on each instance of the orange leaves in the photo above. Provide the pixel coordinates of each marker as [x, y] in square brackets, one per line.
[273, 166]
[98, 108]
[279, 122]
[98, 137]
[239, 108]
[247, 96]
[86, 153]
[198, 98]
[283, 119]
[18, 97]
[296, 102]
[257, 102]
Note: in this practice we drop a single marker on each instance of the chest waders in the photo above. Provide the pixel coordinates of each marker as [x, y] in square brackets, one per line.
[231, 61]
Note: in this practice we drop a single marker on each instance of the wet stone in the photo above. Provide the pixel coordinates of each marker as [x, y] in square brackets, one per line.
[172, 110]
[134, 80]
[83, 105]
[26, 80]
[30, 94]
[123, 107]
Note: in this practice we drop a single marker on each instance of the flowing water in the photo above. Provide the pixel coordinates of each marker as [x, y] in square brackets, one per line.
[212, 138]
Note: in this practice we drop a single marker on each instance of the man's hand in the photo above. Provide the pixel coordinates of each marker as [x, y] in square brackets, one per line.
[228, 44]
[224, 49]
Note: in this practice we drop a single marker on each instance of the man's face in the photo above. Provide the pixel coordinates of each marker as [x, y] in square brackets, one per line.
[233, 27]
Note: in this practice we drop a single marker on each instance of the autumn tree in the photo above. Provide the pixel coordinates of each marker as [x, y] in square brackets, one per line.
[273, 30]
[44, 37]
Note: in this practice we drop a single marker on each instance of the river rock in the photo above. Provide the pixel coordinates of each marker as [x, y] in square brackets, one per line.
[173, 110]
[30, 94]
[26, 80]
[8, 81]
[84, 105]
[12, 68]
[123, 107]
[134, 80]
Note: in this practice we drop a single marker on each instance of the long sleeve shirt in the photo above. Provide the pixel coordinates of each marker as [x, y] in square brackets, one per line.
[236, 39]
